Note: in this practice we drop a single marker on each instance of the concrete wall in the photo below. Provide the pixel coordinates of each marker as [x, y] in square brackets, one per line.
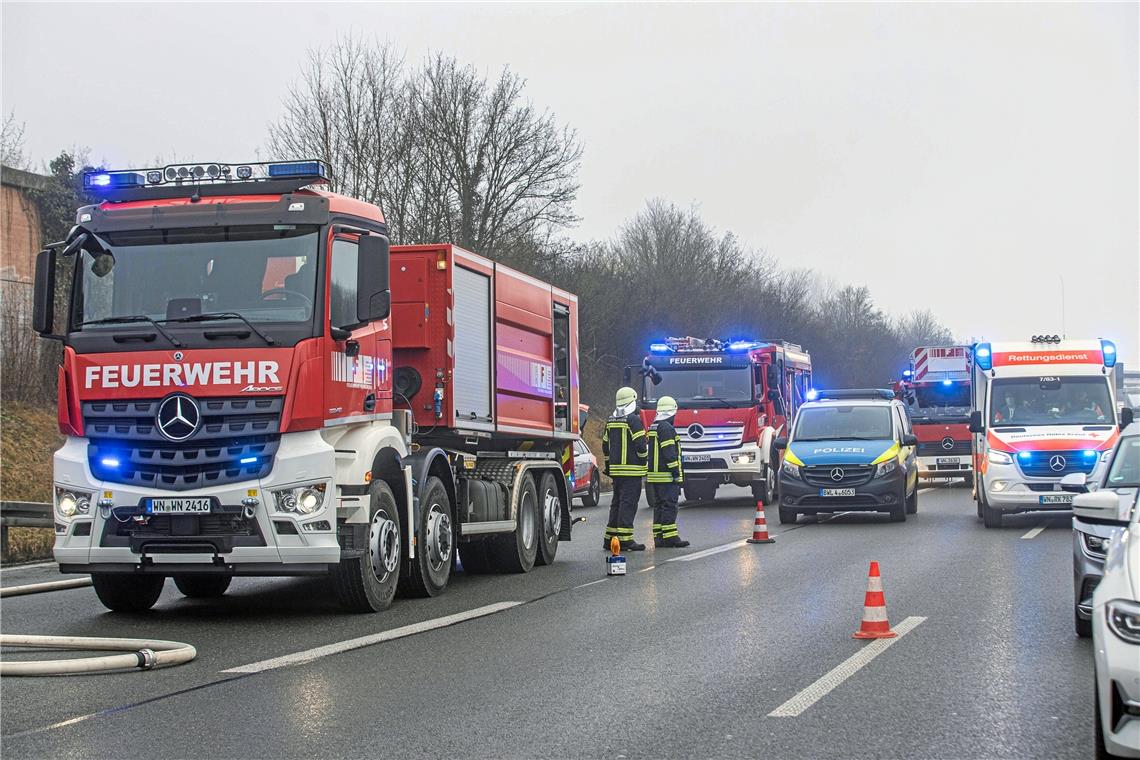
[19, 224]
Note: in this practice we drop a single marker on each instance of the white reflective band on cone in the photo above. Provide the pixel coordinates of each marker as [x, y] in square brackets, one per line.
[874, 584]
[874, 614]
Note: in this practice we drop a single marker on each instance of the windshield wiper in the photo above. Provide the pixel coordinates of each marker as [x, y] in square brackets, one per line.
[134, 318]
[214, 315]
[211, 316]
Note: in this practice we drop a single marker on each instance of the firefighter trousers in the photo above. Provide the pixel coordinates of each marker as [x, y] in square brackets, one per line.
[663, 497]
[623, 508]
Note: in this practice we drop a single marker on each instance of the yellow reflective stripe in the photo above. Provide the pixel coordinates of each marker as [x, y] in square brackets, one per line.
[637, 434]
[791, 458]
[890, 453]
[668, 442]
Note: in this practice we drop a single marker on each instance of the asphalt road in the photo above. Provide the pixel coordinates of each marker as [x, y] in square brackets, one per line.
[678, 659]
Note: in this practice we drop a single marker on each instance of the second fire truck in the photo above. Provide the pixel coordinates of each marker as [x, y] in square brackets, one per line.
[735, 398]
[936, 389]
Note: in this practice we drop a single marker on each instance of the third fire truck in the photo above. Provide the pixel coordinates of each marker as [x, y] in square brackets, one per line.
[936, 390]
[734, 397]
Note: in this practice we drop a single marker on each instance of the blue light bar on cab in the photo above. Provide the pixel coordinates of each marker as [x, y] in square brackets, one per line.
[99, 180]
[298, 169]
[659, 348]
[1108, 351]
[742, 345]
[812, 394]
[908, 373]
[851, 393]
[983, 356]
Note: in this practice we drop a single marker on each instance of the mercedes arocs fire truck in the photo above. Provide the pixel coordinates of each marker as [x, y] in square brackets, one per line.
[254, 383]
[735, 397]
[1040, 410]
[936, 391]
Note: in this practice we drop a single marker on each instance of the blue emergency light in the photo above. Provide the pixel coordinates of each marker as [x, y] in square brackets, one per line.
[298, 169]
[247, 460]
[812, 394]
[1025, 455]
[1089, 454]
[98, 180]
[659, 348]
[908, 373]
[983, 357]
[206, 178]
[947, 382]
[1108, 352]
[111, 462]
[742, 345]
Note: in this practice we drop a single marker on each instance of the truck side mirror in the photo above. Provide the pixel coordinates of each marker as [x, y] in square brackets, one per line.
[583, 414]
[780, 443]
[373, 293]
[1075, 482]
[1126, 417]
[909, 439]
[976, 425]
[773, 395]
[43, 296]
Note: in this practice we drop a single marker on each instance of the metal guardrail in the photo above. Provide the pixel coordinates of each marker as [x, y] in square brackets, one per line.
[22, 514]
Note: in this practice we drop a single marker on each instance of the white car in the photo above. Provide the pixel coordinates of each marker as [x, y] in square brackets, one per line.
[1116, 646]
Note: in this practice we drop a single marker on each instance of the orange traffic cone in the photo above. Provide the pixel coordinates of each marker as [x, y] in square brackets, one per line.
[874, 625]
[760, 527]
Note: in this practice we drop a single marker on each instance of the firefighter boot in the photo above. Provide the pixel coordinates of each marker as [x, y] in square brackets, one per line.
[632, 546]
[672, 542]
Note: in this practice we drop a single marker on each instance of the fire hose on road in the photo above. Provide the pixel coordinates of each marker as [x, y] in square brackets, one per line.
[143, 654]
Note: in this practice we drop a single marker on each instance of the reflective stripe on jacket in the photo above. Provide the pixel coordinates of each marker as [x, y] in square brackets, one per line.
[624, 446]
[664, 454]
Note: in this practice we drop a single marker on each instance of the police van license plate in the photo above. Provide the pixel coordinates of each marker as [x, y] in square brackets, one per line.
[1060, 498]
[946, 460]
[837, 492]
[179, 506]
[696, 458]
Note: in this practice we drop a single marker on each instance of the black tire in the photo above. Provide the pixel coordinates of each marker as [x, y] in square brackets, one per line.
[474, 558]
[991, 517]
[550, 517]
[788, 516]
[980, 497]
[898, 512]
[127, 593]
[593, 494]
[435, 544]
[515, 552]
[203, 586]
[1082, 627]
[912, 502]
[365, 579]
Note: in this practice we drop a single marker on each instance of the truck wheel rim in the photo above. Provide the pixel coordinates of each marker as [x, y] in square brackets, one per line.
[553, 515]
[438, 537]
[526, 519]
[384, 545]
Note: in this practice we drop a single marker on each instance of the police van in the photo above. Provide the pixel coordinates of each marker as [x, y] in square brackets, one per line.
[849, 450]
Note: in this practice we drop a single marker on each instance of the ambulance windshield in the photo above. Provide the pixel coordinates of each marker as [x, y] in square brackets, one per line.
[265, 273]
[1016, 402]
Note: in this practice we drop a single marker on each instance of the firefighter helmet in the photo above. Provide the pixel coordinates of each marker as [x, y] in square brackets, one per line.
[625, 397]
[666, 407]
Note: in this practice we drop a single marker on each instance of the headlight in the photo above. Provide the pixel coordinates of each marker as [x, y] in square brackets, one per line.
[69, 502]
[999, 457]
[747, 458]
[886, 468]
[1124, 619]
[304, 499]
[1095, 544]
[791, 470]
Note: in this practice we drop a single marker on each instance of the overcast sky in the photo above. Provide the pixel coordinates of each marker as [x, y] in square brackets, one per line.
[965, 157]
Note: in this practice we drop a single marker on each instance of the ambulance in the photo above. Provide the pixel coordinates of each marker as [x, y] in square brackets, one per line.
[1040, 410]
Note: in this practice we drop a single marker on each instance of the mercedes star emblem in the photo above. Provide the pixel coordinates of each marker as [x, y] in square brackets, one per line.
[1056, 463]
[837, 474]
[178, 417]
[947, 443]
[696, 431]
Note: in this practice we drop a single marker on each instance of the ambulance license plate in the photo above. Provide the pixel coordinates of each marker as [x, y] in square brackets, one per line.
[947, 460]
[837, 492]
[1060, 498]
[697, 458]
[200, 506]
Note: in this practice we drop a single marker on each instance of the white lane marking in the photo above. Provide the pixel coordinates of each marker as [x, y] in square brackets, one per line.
[926, 490]
[40, 588]
[707, 552]
[591, 583]
[1034, 532]
[646, 569]
[26, 567]
[309, 655]
[841, 672]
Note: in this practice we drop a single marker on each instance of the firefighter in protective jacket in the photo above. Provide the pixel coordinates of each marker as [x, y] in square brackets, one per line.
[664, 477]
[625, 450]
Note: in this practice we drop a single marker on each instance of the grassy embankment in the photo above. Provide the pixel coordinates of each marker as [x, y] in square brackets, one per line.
[28, 436]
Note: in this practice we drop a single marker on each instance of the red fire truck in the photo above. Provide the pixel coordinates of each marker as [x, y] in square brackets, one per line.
[254, 383]
[735, 397]
[936, 390]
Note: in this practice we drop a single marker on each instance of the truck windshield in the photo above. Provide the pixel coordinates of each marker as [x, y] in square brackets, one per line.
[935, 402]
[1050, 401]
[692, 387]
[830, 423]
[1125, 470]
[265, 273]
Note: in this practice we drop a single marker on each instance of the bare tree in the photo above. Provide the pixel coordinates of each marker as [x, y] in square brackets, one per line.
[12, 143]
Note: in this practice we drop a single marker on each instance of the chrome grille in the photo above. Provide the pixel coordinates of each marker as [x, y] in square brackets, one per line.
[852, 475]
[714, 438]
[1040, 464]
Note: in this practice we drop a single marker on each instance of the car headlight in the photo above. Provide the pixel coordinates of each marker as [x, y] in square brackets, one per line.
[70, 502]
[1000, 457]
[746, 458]
[886, 468]
[304, 499]
[1095, 544]
[1124, 619]
[791, 470]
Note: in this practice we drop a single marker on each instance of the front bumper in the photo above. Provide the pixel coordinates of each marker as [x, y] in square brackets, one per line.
[876, 495]
[272, 543]
[1088, 566]
[1118, 682]
[742, 465]
[952, 466]
[1009, 491]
